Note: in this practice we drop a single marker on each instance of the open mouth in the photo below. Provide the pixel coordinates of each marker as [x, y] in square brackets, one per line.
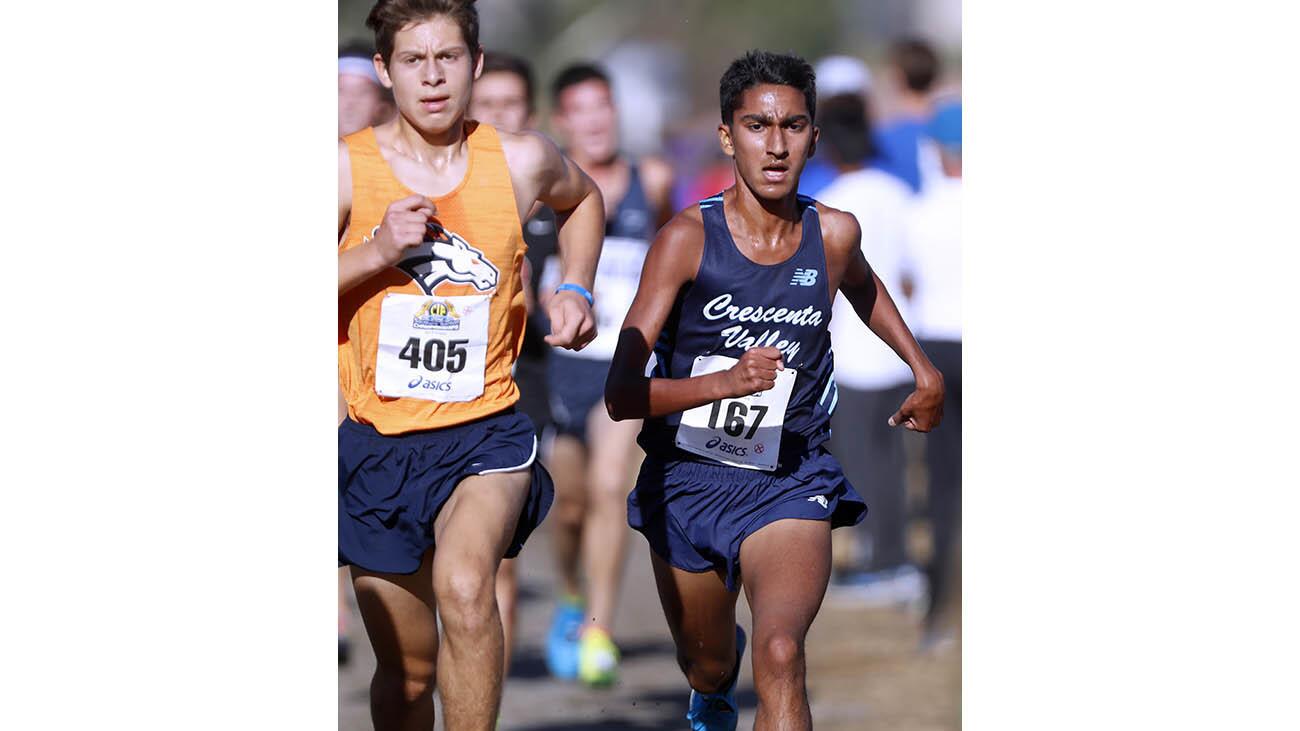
[433, 104]
[776, 173]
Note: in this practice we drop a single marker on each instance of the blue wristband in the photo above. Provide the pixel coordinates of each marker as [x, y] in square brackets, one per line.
[591, 301]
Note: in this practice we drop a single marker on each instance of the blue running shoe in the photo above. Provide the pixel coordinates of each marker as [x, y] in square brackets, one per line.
[718, 711]
[562, 639]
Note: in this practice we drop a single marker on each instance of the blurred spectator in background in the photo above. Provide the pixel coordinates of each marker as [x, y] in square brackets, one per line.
[913, 69]
[836, 75]
[363, 101]
[503, 97]
[870, 378]
[932, 235]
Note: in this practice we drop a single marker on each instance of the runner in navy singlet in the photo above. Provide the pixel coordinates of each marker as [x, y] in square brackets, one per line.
[738, 488]
[591, 457]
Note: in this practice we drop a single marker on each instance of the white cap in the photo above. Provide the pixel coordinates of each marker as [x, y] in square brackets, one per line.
[357, 66]
[842, 75]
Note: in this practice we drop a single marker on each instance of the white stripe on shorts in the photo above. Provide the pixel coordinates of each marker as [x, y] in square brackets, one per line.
[527, 464]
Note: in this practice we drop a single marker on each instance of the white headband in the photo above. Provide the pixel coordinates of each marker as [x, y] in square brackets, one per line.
[358, 67]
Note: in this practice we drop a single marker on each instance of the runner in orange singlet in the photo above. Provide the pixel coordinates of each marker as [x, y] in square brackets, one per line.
[438, 478]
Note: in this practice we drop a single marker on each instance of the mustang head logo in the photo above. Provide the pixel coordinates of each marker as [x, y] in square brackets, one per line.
[445, 256]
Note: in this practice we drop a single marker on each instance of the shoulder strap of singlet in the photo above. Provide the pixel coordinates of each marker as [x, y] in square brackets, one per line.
[484, 137]
[718, 251]
[812, 226]
[633, 182]
[711, 201]
[493, 188]
[367, 162]
[370, 175]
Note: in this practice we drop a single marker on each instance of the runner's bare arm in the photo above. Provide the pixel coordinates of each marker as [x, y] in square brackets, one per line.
[540, 173]
[402, 228]
[672, 262]
[923, 409]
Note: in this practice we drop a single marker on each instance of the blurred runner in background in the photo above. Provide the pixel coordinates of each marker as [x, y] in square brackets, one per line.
[363, 102]
[503, 97]
[590, 456]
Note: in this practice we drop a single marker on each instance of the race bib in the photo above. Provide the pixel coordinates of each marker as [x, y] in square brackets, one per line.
[741, 432]
[432, 348]
[618, 272]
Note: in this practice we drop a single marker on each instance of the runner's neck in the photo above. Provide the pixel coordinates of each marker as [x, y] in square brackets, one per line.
[437, 151]
[764, 223]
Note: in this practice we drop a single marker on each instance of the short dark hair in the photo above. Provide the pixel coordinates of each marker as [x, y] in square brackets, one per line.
[918, 62]
[388, 17]
[496, 61]
[765, 67]
[577, 73]
[846, 128]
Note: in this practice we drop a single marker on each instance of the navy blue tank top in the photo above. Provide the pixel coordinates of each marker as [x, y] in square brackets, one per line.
[632, 218]
[735, 304]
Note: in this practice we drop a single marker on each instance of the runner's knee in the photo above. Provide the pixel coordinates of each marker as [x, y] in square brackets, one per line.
[778, 653]
[569, 509]
[610, 489]
[396, 686]
[706, 673]
[466, 598]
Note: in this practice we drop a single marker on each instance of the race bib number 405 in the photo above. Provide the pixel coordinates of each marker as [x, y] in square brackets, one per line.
[741, 432]
[432, 348]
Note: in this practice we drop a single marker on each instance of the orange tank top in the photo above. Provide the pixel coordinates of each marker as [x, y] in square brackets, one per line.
[479, 213]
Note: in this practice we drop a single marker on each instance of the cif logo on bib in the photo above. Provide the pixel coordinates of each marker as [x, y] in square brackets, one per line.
[445, 256]
[436, 315]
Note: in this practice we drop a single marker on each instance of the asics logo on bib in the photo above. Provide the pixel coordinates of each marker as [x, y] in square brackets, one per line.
[804, 278]
[445, 256]
[429, 384]
[726, 447]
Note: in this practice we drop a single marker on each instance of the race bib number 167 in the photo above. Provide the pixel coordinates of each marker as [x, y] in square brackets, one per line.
[741, 432]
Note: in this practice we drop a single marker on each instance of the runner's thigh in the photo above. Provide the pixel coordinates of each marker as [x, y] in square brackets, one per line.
[786, 566]
[701, 613]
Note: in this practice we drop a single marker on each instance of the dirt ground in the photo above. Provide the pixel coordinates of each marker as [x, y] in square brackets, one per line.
[865, 668]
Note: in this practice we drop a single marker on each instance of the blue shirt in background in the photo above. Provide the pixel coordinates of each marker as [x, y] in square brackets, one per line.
[817, 174]
[898, 142]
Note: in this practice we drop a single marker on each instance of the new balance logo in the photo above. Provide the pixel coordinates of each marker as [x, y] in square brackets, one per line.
[820, 500]
[804, 278]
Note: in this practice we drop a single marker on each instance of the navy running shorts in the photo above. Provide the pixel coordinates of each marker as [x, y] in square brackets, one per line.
[577, 386]
[696, 514]
[391, 488]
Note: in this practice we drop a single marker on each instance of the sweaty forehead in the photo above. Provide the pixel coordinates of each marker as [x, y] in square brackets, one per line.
[438, 32]
[772, 99]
